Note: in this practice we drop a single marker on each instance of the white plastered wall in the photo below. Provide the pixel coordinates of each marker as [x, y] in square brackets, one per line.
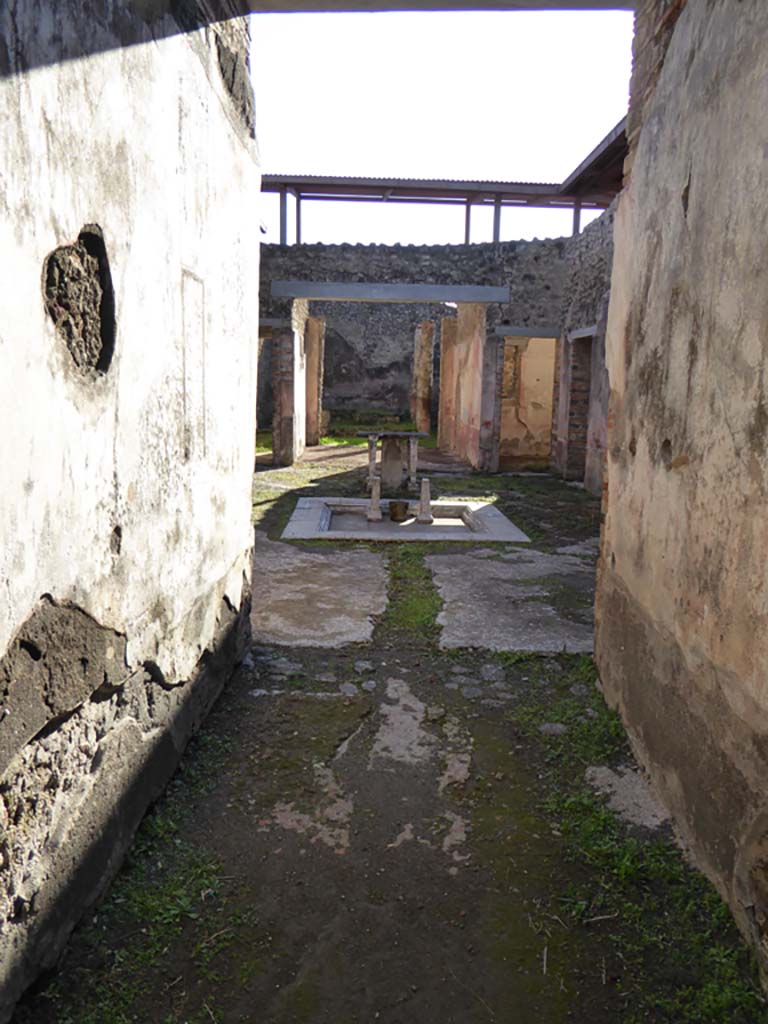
[144, 142]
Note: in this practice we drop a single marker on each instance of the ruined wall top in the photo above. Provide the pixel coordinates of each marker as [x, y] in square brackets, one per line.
[369, 347]
[534, 271]
[590, 259]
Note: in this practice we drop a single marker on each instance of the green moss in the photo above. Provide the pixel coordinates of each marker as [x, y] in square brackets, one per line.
[301, 1003]
[414, 602]
[680, 953]
[567, 876]
[309, 733]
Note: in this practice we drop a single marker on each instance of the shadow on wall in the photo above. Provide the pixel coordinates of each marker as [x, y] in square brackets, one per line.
[349, 384]
[110, 27]
[151, 21]
[127, 772]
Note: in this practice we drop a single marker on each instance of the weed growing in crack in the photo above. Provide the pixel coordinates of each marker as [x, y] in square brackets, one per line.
[165, 885]
[414, 603]
[683, 961]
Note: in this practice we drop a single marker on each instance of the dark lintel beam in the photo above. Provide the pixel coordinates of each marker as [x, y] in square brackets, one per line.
[509, 331]
[582, 332]
[344, 291]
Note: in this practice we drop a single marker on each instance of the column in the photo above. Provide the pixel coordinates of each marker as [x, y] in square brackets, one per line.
[315, 355]
[289, 388]
[470, 352]
[490, 403]
[421, 376]
[446, 412]
[425, 503]
[373, 513]
[373, 440]
[283, 217]
[282, 394]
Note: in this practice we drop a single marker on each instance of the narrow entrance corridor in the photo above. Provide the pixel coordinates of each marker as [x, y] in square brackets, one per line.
[385, 822]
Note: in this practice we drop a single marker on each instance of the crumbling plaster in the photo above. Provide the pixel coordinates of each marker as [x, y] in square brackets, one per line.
[422, 379]
[82, 457]
[682, 608]
[526, 403]
[125, 504]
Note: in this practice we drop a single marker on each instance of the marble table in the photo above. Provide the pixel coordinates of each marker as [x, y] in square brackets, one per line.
[399, 456]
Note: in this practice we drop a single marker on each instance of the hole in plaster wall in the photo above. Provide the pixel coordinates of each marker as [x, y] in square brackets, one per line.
[116, 540]
[80, 299]
[21, 909]
[31, 649]
[154, 673]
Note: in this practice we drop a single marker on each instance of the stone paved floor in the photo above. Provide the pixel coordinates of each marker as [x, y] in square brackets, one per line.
[320, 598]
[379, 856]
[377, 825]
[515, 600]
[501, 600]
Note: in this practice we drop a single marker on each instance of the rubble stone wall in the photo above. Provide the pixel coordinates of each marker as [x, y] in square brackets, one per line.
[369, 346]
[580, 406]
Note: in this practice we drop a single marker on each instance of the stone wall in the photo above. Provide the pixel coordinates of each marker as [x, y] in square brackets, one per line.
[127, 345]
[580, 407]
[369, 347]
[682, 607]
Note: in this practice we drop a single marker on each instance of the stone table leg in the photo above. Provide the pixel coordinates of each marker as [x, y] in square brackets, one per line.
[413, 460]
[373, 515]
[391, 465]
[372, 442]
[425, 503]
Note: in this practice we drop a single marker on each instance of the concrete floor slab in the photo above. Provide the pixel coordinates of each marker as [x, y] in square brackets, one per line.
[315, 599]
[515, 601]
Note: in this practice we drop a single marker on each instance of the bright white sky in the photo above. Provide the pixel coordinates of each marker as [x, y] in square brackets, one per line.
[504, 96]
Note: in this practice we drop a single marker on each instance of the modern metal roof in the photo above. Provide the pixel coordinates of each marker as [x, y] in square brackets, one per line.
[440, 191]
[369, 179]
[593, 185]
[603, 169]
